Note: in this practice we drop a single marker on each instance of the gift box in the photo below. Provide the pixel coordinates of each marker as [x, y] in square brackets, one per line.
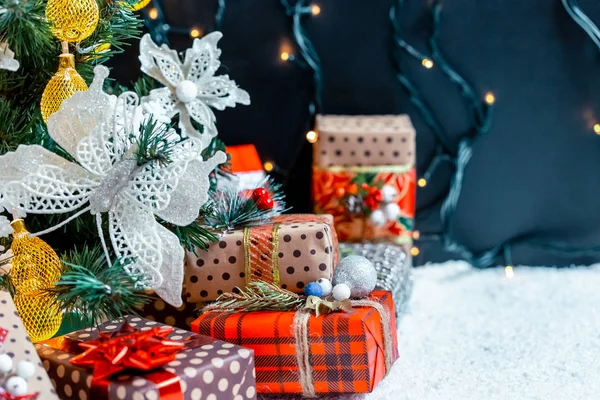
[297, 352]
[364, 176]
[289, 252]
[142, 359]
[180, 317]
[16, 343]
[246, 165]
[364, 140]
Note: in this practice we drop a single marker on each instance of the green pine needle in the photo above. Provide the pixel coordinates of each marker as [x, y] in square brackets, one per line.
[258, 296]
[155, 144]
[95, 292]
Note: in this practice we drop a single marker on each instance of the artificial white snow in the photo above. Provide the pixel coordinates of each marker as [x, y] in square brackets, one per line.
[474, 334]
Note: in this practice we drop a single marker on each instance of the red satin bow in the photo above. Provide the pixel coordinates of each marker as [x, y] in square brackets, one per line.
[128, 348]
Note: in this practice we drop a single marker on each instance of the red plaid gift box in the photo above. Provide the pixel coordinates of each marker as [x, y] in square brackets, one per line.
[347, 351]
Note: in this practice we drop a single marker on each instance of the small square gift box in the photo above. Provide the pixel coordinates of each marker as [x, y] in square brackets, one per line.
[290, 251]
[364, 175]
[298, 352]
[142, 359]
[22, 376]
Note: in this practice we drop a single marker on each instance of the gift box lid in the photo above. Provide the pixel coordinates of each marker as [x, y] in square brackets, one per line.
[360, 140]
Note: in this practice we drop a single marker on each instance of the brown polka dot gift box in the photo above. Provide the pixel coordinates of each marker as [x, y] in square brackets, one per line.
[137, 358]
[289, 252]
[364, 176]
[361, 140]
[21, 370]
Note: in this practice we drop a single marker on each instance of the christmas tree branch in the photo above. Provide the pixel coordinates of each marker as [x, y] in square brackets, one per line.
[258, 296]
[90, 290]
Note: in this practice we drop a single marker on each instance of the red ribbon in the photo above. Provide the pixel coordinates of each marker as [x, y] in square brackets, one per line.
[7, 396]
[132, 349]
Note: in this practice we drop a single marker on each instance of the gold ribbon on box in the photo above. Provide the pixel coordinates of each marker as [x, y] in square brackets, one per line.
[261, 246]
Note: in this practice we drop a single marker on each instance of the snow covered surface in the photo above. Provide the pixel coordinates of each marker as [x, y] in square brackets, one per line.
[473, 334]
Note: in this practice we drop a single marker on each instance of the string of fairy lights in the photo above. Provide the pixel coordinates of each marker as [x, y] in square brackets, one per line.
[457, 155]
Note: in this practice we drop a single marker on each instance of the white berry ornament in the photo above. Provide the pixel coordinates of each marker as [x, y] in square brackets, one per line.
[391, 211]
[389, 194]
[341, 292]
[326, 285]
[16, 386]
[358, 273]
[26, 369]
[6, 364]
[378, 218]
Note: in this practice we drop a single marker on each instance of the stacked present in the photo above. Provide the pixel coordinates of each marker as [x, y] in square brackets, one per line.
[364, 175]
[22, 376]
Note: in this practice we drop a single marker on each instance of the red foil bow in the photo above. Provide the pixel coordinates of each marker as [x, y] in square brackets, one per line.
[128, 348]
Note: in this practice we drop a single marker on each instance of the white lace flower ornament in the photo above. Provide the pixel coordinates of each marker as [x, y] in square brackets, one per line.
[7, 58]
[191, 88]
[100, 132]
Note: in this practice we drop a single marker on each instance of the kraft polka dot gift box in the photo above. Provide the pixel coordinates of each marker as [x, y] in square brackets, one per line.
[364, 175]
[15, 343]
[136, 358]
[290, 252]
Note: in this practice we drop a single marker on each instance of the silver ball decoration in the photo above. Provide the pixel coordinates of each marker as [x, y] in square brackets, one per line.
[358, 273]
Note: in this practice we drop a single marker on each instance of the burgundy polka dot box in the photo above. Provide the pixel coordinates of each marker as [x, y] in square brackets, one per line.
[290, 252]
[206, 369]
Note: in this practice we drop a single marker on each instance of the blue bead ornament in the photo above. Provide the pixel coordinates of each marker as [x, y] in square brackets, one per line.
[313, 289]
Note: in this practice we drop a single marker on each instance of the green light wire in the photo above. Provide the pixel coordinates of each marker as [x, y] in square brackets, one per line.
[582, 20]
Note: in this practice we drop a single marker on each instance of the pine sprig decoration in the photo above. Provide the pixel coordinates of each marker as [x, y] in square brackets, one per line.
[258, 296]
[234, 209]
[155, 143]
[89, 289]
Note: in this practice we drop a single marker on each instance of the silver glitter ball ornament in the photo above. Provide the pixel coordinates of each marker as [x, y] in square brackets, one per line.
[358, 273]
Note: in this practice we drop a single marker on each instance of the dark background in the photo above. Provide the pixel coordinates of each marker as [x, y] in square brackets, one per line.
[536, 175]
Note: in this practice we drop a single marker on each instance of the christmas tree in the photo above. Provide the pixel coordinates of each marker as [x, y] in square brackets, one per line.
[116, 181]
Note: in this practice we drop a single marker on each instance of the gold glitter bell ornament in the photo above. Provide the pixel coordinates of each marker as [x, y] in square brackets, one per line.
[72, 20]
[35, 268]
[65, 82]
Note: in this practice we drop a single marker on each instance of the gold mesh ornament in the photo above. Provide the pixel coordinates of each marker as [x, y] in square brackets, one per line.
[139, 5]
[65, 82]
[35, 268]
[72, 20]
[40, 314]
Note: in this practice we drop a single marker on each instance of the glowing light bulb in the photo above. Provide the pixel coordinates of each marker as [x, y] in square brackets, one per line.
[427, 63]
[285, 55]
[509, 272]
[269, 166]
[415, 251]
[416, 235]
[422, 182]
[312, 136]
[195, 32]
[597, 128]
[315, 10]
[490, 98]
[153, 13]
